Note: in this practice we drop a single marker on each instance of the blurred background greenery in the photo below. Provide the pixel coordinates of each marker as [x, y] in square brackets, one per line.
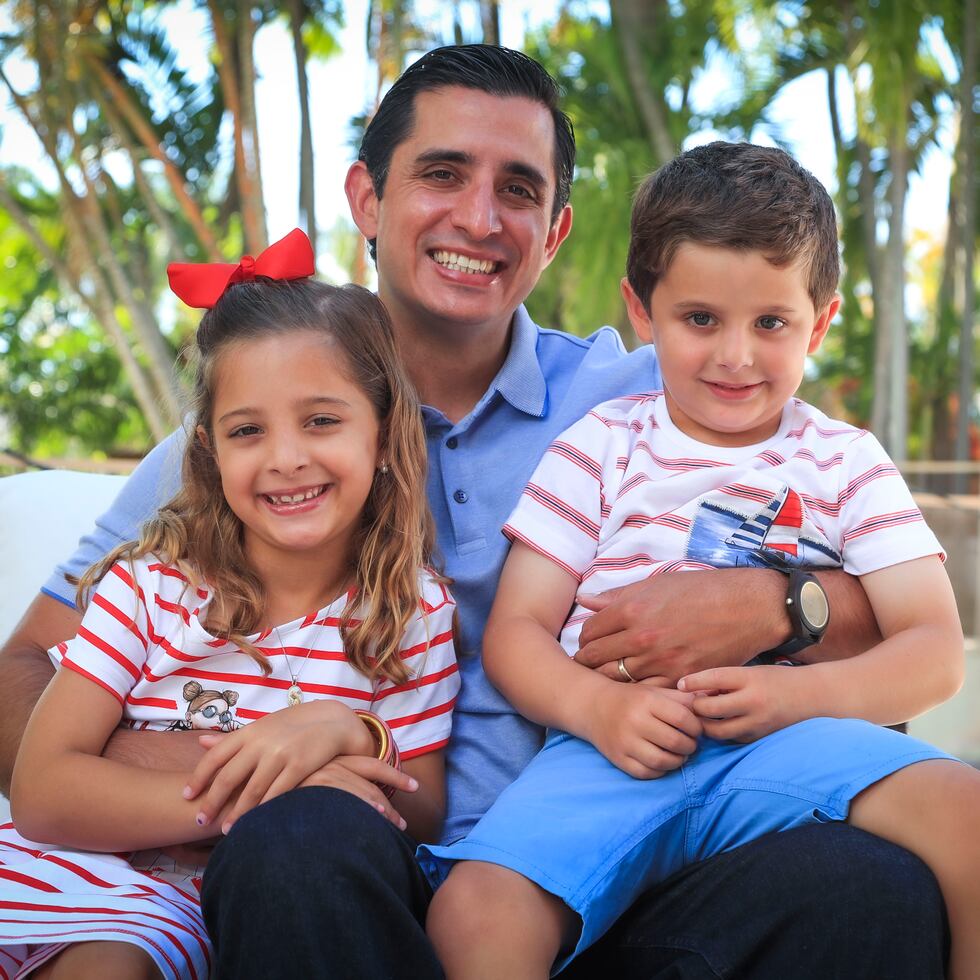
[130, 135]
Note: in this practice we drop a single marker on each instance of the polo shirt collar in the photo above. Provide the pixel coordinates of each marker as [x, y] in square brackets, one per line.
[520, 380]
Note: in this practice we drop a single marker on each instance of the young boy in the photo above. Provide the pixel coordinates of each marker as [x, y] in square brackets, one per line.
[732, 275]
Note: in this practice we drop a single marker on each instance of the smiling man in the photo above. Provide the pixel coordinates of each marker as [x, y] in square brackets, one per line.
[462, 187]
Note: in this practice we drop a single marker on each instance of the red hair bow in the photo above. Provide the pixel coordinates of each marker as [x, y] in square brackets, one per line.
[200, 284]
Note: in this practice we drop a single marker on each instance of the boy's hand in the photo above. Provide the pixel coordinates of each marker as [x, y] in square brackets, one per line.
[273, 755]
[741, 704]
[643, 729]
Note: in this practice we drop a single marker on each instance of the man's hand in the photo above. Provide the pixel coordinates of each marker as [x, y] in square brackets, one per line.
[363, 777]
[677, 623]
[741, 704]
[643, 729]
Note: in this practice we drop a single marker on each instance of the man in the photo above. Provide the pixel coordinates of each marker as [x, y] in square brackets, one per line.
[462, 186]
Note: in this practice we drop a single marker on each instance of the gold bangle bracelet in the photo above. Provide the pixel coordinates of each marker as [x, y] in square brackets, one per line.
[379, 732]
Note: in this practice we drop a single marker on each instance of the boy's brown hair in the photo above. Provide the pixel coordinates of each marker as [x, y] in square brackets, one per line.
[737, 196]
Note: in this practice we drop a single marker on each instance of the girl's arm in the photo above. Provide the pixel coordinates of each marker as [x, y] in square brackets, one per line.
[918, 665]
[64, 792]
[642, 729]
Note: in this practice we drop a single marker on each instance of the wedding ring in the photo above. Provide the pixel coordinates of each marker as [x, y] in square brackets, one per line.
[624, 673]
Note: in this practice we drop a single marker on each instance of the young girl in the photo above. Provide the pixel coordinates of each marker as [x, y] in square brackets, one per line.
[289, 571]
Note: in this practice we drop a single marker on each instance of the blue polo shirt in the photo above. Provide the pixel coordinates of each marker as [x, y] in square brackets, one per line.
[477, 470]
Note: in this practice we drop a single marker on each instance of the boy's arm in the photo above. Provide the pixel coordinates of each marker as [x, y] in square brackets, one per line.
[677, 623]
[640, 728]
[918, 665]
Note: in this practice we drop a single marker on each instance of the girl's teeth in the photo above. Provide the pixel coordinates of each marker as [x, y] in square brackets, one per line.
[295, 498]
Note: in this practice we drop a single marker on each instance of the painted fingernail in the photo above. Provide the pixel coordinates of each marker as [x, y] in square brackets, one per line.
[401, 823]
[188, 792]
[202, 819]
[413, 783]
[225, 827]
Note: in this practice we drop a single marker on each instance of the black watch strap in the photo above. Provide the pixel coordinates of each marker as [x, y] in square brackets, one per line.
[808, 611]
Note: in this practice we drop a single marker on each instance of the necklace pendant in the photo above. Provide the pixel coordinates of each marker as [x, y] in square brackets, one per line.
[294, 695]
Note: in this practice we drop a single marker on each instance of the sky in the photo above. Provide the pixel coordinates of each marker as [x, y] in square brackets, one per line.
[343, 86]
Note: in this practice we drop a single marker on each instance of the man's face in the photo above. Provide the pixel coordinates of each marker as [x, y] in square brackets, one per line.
[464, 229]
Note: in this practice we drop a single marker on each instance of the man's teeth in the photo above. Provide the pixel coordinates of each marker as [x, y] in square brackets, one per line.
[294, 498]
[463, 263]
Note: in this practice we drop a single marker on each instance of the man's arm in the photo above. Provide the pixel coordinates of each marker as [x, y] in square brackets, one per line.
[25, 670]
[678, 623]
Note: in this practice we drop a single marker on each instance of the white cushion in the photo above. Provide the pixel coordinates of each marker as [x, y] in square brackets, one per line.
[42, 516]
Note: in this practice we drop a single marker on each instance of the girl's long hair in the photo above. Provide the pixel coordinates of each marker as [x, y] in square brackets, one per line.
[197, 531]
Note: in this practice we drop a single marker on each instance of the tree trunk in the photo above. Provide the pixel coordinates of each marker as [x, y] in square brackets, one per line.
[148, 139]
[155, 349]
[307, 202]
[939, 436]
[490, 21]
[253, 200]
[227, 60]
[967, 378]
[164, 222]
[69, 280]
[895, 326]
[635, 25]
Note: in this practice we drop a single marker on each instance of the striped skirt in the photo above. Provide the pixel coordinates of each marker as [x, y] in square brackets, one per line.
[53, 897]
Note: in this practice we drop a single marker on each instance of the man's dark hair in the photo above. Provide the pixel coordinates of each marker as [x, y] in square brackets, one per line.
[738, 196]
[486, 68]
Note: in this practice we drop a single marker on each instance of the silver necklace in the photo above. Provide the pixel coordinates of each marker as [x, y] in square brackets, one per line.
[294, 695]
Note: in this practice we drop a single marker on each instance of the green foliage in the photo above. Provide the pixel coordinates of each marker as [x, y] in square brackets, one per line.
[580, 291]
[61, 387]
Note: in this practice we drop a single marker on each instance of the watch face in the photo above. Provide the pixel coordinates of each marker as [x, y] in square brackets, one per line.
[813, 605]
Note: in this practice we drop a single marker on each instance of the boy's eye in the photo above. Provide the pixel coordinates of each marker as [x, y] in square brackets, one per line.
[700, 319]
[771, 322]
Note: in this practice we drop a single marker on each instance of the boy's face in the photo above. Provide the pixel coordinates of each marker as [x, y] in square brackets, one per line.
[732, 333]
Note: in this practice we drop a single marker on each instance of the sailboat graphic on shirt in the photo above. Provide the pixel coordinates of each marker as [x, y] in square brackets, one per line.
[780, 533]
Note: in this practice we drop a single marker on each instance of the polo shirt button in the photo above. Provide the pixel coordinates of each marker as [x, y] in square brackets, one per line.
[452, 442]
[461, 496]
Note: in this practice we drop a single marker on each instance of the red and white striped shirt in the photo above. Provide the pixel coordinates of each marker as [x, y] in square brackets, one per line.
[623, 494]
[142, 639]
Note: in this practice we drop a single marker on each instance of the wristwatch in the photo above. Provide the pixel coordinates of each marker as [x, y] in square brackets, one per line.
[808, 610]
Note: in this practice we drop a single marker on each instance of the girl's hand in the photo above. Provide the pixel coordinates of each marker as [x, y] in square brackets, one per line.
[273, 755]
[361, 776]
[643, 729]
[741, 704]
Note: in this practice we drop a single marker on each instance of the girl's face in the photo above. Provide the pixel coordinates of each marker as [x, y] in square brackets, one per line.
[297, 447]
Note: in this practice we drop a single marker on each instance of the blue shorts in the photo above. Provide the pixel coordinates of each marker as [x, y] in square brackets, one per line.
[597, 838]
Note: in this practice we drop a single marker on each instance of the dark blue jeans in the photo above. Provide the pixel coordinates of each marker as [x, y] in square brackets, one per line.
[316, 884]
